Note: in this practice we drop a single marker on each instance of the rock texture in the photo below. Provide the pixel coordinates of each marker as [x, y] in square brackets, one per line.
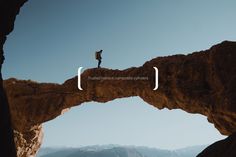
[202, 82]
[8, 11]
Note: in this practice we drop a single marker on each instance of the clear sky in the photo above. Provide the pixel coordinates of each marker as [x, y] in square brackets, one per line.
[52, 38]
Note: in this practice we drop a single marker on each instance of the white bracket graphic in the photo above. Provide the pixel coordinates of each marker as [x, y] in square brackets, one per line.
[79, 79]
[156, 78]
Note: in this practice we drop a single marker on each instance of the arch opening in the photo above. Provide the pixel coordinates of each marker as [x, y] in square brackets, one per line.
[126, 123]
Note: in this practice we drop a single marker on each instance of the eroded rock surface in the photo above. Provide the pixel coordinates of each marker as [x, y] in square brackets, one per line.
[8, 11]
[202, 82]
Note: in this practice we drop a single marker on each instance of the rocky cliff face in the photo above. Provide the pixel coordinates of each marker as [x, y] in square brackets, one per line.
[223, 148]
[202, 82]
[8, 11]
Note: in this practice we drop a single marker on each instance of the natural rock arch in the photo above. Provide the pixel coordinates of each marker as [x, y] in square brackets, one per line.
[202, 82]
[199, 83]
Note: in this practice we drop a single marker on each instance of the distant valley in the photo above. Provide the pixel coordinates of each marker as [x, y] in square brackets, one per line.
[119, 151]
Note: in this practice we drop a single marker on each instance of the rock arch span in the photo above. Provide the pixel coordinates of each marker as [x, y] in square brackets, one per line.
[201, 82]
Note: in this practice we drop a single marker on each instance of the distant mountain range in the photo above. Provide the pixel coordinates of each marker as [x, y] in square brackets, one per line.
[119, 151]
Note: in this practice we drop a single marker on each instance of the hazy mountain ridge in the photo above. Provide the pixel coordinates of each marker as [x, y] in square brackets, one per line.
[119, 151]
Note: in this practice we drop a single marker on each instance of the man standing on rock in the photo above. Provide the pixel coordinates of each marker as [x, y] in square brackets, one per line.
[98, 55]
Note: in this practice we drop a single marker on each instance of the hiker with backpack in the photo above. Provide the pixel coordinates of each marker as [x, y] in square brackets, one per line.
[98, 56]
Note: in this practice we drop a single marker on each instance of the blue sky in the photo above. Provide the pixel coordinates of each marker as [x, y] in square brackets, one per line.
[52, 38]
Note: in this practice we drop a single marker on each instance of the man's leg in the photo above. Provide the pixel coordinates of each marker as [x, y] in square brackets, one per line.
[99, 62]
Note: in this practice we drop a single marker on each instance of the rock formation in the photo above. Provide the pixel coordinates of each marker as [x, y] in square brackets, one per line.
[8, 11]
[202, 82]
[223, 148]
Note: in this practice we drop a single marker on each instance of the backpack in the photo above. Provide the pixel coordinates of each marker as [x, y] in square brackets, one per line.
[97, 55]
